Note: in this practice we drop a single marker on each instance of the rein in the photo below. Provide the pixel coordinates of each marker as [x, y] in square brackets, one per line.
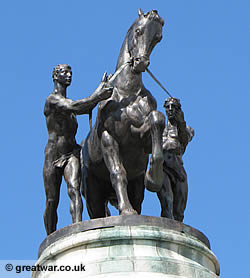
[150, 73]
[158, 82]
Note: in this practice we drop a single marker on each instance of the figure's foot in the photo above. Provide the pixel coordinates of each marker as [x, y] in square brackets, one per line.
[154, 176]
[130, 211]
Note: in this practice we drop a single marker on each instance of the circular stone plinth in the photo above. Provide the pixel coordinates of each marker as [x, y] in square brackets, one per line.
[135, 246]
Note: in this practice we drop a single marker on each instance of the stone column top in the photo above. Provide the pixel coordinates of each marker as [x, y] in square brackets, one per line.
[126, 220]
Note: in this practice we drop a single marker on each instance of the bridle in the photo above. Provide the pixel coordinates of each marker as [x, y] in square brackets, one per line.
[118, 71]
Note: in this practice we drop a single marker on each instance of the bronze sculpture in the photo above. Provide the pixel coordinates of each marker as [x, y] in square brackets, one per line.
[62, 153]
[115, 153]
[127, 129]
[176, 135]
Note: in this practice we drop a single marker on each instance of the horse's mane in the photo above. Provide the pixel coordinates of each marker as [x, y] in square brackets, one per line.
[153, 15]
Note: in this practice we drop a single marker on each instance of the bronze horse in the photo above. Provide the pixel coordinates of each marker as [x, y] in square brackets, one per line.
[128, 128]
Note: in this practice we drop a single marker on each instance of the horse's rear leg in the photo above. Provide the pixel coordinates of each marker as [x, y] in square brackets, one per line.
[110, 150]
[93, 190]
[136, 189]
[154, 176]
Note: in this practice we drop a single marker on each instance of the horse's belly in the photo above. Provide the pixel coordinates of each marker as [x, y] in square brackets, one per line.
[135, 162]
[119, 128]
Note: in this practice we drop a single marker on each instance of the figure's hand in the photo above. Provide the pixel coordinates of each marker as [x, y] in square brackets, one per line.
[104, 90]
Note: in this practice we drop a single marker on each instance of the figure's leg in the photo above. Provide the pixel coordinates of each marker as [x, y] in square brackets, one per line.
[180, 199]
[110, 150]
[136, 189]
[72, 176]
[154, 175]
[52, 181]
[165, 196]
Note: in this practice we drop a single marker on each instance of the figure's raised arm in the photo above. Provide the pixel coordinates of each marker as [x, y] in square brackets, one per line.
[85, 105]
[65, 104]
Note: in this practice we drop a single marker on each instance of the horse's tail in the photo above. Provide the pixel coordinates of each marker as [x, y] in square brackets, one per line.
[82, 170]
[82, 143]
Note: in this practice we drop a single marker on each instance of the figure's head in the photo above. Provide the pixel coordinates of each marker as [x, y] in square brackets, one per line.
[62, 73]
[172, 106]
[142, 37]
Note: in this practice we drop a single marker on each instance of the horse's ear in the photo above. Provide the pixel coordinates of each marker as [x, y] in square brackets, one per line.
[140, 12]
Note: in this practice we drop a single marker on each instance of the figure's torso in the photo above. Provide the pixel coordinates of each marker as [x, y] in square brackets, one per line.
[171, 140]
[62, 127]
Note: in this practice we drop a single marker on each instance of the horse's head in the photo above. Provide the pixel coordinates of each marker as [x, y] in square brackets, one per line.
[142, 37]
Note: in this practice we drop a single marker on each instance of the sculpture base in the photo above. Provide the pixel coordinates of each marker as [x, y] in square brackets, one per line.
[131, 246]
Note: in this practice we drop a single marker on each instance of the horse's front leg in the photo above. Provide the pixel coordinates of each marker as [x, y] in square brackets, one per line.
[153, 138]
[118, 175]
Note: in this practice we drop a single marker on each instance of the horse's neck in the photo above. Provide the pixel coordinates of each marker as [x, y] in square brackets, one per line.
[127, 82]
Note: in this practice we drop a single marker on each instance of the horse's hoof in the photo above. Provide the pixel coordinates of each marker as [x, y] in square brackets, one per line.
[154, 175]
[151, 185]
[128, 212]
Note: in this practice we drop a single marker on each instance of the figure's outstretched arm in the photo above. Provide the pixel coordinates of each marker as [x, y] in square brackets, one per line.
[85, 105]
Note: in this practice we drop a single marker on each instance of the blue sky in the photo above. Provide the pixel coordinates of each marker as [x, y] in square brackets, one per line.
[203, 59]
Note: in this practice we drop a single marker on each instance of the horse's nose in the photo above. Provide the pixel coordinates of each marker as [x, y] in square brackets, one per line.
[144, 60]
[141, 63]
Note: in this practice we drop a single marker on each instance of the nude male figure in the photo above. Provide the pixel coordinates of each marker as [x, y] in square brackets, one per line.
[176, 136]
[62, 153]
